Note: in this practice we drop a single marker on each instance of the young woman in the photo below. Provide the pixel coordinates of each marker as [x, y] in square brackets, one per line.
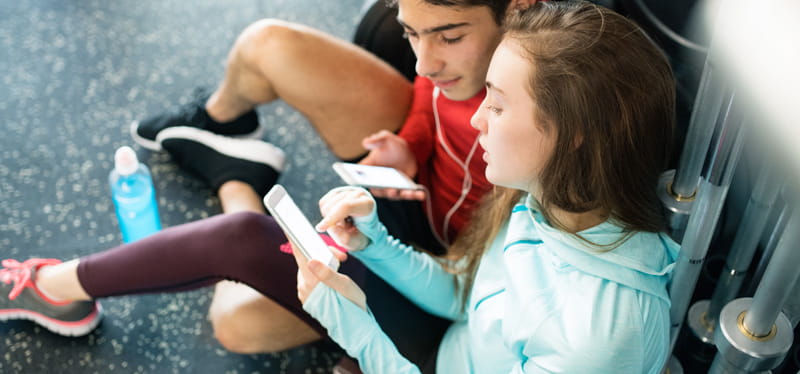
[564, 268]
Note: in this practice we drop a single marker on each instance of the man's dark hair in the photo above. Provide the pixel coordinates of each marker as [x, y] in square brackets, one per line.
[498, 7]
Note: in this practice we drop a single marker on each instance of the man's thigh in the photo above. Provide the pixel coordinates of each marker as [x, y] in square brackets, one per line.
[346, 92]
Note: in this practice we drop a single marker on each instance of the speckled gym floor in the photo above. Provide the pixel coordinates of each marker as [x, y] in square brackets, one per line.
[73, 75]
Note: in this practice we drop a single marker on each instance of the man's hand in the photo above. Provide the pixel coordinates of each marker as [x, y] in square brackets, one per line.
[388, 149]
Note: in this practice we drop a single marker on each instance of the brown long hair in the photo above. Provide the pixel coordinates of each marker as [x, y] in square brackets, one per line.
[608, 91]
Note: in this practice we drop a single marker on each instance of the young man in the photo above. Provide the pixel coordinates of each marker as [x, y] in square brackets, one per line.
[358, 93]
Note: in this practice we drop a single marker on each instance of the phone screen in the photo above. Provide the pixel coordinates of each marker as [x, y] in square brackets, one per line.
[295, 224]
[373, 176]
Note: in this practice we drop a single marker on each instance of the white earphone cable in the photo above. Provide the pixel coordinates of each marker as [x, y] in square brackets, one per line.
[466, 184]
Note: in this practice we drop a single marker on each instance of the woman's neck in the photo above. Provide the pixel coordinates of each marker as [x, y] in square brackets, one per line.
[573, 222]
[577, 222]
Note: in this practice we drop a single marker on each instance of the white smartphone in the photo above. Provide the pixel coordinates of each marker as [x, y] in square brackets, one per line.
[297, 227]
[373, 176]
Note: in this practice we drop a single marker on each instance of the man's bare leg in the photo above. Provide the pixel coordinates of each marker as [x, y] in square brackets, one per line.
[246, 321]
[236, 196]
[344, 91]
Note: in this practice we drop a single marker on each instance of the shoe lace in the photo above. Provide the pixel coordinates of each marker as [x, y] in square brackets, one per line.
[21, 272]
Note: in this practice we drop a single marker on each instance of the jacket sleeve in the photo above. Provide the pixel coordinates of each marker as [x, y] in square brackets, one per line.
[416, 275]
[356, 330]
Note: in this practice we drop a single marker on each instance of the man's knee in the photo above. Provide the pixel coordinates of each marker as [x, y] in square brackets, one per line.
[257, 326]
[230, 336]
[233, 329]
[265, 36]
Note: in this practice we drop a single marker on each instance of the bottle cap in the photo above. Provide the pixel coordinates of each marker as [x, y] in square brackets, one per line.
[125, 161]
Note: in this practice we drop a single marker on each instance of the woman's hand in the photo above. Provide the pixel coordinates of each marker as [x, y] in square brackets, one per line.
[310, 273]
[338, 207]
[388, 149]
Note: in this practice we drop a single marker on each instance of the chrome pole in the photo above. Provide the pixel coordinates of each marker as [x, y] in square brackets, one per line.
[792, 306]
[677, 188]
[702, 317]
[705, 214]
[778, 282]
[769, 248]
[701, 129]
[754, 335]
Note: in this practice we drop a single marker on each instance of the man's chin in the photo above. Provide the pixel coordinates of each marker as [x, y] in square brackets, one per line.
[460, 93]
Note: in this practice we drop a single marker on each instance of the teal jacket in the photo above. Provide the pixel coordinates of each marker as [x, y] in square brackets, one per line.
[542, 302]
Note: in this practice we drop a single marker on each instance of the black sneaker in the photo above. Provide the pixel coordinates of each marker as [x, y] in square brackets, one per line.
[217, 159]
[193, 114]
[26, 302]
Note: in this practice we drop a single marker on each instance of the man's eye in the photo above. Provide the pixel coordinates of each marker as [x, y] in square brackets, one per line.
[452, 40]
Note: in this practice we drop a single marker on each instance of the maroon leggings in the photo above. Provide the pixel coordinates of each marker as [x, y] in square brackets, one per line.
[244, 247]
[241, 247]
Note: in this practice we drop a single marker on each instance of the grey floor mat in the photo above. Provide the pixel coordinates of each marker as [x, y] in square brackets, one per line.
[73, 74]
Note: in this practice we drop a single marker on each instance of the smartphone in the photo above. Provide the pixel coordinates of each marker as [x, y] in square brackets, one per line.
[297, 227]
[373, 176]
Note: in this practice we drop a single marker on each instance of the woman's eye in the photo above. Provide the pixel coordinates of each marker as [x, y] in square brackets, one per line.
[494, 109]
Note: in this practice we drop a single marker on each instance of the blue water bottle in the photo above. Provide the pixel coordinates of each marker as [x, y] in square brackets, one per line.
[134, 196]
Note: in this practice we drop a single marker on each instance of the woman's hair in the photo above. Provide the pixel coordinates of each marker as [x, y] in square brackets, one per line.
[607, 93]
[498, 7]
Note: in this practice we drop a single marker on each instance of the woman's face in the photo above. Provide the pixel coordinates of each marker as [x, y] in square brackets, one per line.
[516, 146]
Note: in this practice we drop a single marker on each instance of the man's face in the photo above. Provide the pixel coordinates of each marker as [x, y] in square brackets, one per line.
[453, 44]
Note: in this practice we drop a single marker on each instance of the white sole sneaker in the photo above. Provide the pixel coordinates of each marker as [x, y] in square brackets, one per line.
[155, 145]
[252, 150]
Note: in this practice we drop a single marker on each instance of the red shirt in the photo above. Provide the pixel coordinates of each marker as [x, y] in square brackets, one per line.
[438, 171]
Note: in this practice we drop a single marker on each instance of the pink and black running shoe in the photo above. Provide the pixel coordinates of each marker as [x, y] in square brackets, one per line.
[26, 302]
